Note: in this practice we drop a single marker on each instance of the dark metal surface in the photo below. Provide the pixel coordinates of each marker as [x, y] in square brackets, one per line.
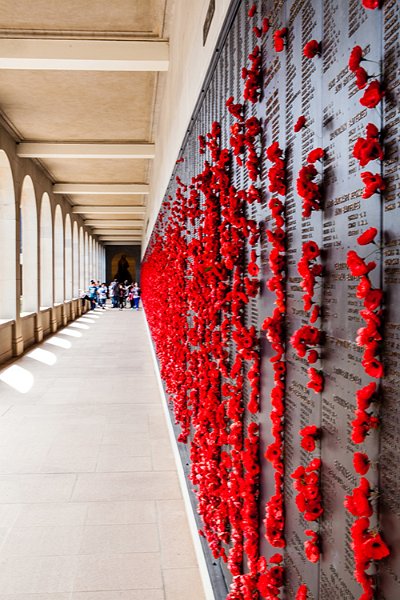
[323, 91]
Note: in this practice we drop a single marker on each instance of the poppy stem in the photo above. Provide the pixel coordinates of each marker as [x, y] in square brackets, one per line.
[372, 252]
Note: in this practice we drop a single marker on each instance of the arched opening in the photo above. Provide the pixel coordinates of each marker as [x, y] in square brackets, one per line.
[58, 256]
[81, 260]
[46, 253]
[90, 273]
[75, 261]
[28, 248]
[96, 260]
[86, 256]
[8, 296]
[68, 258]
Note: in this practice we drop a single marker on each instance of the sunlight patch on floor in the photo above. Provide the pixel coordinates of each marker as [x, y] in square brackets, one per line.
[71, 333]
[18, 378]
[44, 356]
[59, 342]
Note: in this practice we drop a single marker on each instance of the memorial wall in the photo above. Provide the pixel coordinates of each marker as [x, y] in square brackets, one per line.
[271, 287]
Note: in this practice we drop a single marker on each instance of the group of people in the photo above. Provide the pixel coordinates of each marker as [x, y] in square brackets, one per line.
[119, 294]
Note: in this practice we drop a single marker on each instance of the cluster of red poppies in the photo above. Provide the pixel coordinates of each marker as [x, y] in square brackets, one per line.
[208, 354]
[193, 332]
[308, 189]
[258, 31]
[306, 342]
[367, 543]
[279, 35]
[307, 338]
[307, 484]
[309, 435]
[369, 337]
[279, 39]
[274, 326]
[226, 481]
[374, 92]
[309, 269]
[243, 139]
[252, 76]
[270, 580]
[368, 148]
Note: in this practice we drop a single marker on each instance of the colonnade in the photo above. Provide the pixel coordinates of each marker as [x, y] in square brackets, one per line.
[47, 257]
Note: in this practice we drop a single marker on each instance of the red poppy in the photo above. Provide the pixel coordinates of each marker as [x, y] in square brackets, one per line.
[313, 465]
[372, 95]
[373, 183]
[367, 237]
[358, 503]
[373, 368]
[373, 299]
[308, 443]
[302, 592]
[252, 11]
[316, 154]
[316, 382]
[309, 435]
[361, 463]
[356, 56]
[357, 265]
[311, 250]
[235, 110]
[372, 131]
[313, 318]
[363, 287]
[273, 152]
[300, 123]
[265, 25]
[362, 425]
[308, 189]
[375, 548]
[311, 49]
[311, 547]
[312, 430]
[359, 530]
[253, 269]
[367, 149]
[304, 338]
[279, 39]
[365, 395]
[361, 78]
[371, 4]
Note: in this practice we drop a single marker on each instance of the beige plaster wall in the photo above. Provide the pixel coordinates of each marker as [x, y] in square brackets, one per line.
[18, 334]
[180, 88]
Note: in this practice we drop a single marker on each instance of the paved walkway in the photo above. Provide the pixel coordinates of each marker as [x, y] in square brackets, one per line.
[91, 507]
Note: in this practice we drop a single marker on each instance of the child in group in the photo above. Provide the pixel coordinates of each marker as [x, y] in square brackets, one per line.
[102, 293]
[135, 296]
[92, 294]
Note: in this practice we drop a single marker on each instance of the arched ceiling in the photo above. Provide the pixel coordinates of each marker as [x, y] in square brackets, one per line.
[78, 87]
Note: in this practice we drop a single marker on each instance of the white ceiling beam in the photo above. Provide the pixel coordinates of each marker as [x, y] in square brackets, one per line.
[114, 231]
[109, 210]
[83, 55]
[84, 150]
[118, 243]
[99, 189]
[114, 223]
[120, 238]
